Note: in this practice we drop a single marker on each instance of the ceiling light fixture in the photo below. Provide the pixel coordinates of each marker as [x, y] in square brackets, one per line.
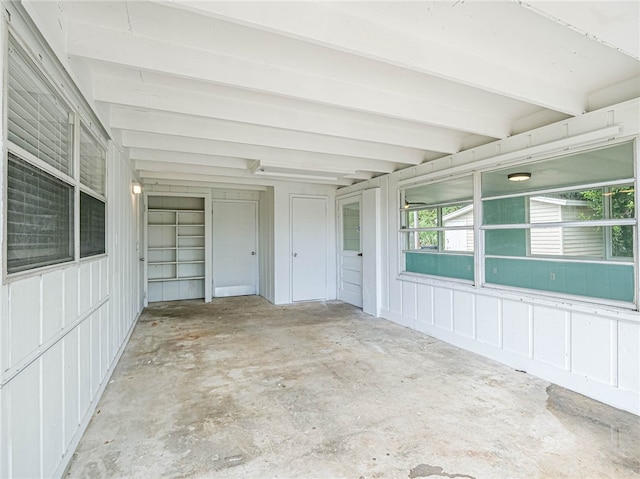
[522, 176]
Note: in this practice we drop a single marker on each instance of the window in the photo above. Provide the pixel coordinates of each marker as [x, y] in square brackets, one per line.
[351, 227]
[92, 226]
[39, 217]
[437, 229]
[92, 207]
[569, 229]
[41, 179]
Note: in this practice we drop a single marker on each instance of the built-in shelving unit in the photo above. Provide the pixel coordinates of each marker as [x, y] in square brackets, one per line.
[175, 248]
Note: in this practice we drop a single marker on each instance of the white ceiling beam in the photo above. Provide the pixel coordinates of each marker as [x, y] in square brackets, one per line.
[149, 176]
[132, 139]
[327, 25]
[223, 130]
[253, 108]
[184, 158]
[95, 42]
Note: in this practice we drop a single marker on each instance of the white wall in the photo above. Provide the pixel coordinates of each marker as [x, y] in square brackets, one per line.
[62, 329]
[61, 333]
[590, 348]
[275, 230]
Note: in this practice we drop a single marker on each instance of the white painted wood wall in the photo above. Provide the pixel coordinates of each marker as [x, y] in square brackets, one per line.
[589, 348]
[61, 334]
[274, 230]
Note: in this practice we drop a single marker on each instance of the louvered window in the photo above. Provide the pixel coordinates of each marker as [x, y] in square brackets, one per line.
[39, 121]
[92, 161]
[92, 226]
[39, 217]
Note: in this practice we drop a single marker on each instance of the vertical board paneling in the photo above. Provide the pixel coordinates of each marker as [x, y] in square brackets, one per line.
[549, 336]
[84, 288]
[425, 304]
[515, 327]
[105, 351]
[409, 300]
[591, 347]
[4, 432]
[629, 356]
[52, 304]
[71, 385]
[24, 428]
[84, 367]
[95, 353]
[71, 298]
[24, 318]
[463, 314]
[104, 278]
[52, 407]
[5, 336]
[488, 320]
[95, 282]
[443, 313]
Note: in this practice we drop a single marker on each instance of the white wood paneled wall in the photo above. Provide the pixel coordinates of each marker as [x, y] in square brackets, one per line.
[589, 348]
[61, 333]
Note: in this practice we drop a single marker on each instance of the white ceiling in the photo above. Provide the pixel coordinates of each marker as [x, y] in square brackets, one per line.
[332, 92]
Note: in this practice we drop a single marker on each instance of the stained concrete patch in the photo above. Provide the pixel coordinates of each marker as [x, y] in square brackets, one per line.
[241, 388]
[426, 470]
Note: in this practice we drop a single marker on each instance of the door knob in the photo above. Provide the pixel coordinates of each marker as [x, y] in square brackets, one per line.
[295, 255]
[253, 253]
[359, 254]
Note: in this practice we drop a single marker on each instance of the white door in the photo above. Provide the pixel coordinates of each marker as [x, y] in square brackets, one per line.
[235, 248]
[350, 251]
[308, 248]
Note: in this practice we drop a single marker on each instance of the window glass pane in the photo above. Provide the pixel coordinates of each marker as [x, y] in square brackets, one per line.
[458, 240]
[92, 226]
[456, 190]
[39, 218]
[425, 218]
[594, 166]
[422, 240]
[351, 227]
[622, 241]
[92, 162]
[38, 119]
[621, 201]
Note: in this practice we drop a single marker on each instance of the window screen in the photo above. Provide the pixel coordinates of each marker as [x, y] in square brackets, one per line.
[39, 217]
[92, 226]
[92, 162]
[39, 121]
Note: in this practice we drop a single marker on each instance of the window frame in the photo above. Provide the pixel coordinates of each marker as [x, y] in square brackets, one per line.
[80, 116]
[404, 231]
[479, 253]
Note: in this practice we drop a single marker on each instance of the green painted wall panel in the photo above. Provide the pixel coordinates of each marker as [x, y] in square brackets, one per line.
[506, 242]
[448, 265]
[505, 211]
[607, 281]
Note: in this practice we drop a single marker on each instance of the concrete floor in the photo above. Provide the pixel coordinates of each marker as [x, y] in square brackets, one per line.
[240, 388]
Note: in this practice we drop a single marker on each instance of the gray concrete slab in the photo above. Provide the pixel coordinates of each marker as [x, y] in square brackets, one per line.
[240, 388]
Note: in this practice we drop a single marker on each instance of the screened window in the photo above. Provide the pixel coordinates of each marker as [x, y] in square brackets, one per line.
[551, 234]
[92, 161]
[351, 227]
[92, 226]
[39, 217]
[437, 228]
[39, 121]
[42, 182]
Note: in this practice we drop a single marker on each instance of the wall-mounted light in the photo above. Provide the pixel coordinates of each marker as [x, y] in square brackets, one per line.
[523, 176]
[136, 188]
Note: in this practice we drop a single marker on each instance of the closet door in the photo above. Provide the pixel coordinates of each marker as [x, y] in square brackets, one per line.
[235, 248]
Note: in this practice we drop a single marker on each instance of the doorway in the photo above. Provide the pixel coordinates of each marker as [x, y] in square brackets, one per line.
[350, 251]
[308, 248]
[235, 248]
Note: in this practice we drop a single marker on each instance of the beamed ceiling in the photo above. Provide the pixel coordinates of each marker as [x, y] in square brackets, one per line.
[333, 92]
